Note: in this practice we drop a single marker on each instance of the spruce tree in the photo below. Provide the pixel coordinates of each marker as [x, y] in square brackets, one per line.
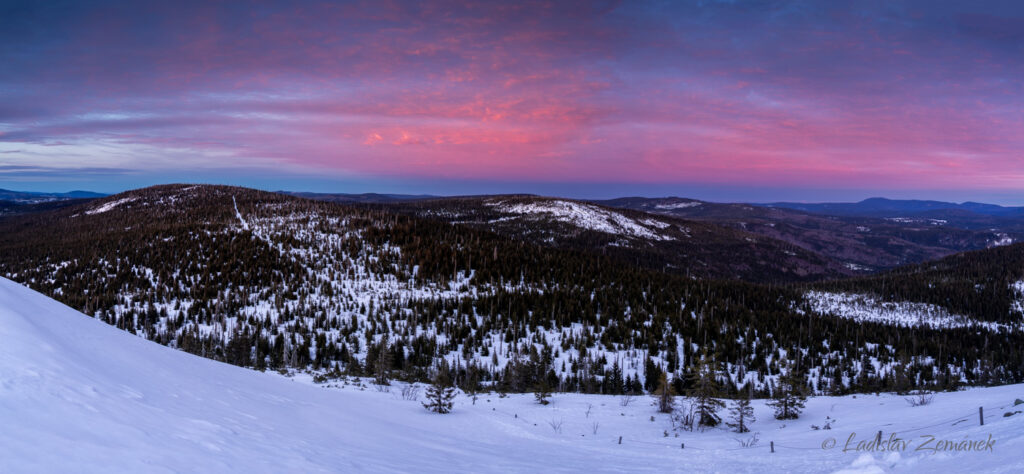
[542, 392]
[790, 395]
[382, 367]
[664, 395]
[440, 393]
[741, 413]
[704, 391]
[652, 375]
[471, 383]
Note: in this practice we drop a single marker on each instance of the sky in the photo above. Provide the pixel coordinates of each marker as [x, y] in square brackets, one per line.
[756, 100]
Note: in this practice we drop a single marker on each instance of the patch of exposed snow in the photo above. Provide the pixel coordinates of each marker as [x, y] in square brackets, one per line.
[109, 206]
[1001, 240]
[916, 220]
[655, 223]
[1018, 289]
[238, 213]
[584, 216]
[678, 205]
[862, 307]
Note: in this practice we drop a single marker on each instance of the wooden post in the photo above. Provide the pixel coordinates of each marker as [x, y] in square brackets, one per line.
[620, 439]
[773, 446]
[682, 445]
[981, 415]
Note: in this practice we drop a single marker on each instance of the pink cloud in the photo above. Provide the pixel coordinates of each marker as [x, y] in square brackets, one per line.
[538, 91]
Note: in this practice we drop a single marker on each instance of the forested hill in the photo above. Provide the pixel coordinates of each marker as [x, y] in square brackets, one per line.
[861, 243]
[679, 246]
[265, 280]
[987, 285]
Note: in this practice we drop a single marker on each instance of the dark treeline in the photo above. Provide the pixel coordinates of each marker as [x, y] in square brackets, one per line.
[685, 247]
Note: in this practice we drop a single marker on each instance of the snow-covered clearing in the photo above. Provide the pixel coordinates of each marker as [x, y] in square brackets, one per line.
[77, 395]
[109, 206]
[678, 205]
[863, 307]
[916, 220]
[1001, 239]
[238, 214]
[1018, 304]
[587, 216]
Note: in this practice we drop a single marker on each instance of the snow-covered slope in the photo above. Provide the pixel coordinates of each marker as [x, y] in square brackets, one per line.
[588, 216]
[77, 395]
[865, 307]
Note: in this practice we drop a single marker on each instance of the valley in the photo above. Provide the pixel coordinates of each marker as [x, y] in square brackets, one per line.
[274, 282]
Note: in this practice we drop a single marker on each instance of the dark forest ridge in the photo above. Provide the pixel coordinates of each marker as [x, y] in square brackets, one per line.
[883, 207]
[731, 240]
[35, 197]
[870, 207]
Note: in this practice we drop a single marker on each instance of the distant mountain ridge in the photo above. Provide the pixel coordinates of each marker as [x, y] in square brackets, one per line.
[883, 207]
[862, 243]
[28, 197]
[357, 198]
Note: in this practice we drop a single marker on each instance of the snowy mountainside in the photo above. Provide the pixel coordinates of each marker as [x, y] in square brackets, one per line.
[589, 217]
[665, 243]
[275, 282]
[78, 395]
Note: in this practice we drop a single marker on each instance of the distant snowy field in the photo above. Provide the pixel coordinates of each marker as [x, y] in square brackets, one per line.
[77, 395]
[862, 307]
[587, 216]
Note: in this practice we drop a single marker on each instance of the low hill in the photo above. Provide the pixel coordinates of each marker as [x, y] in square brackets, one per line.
[987, 285]
[685, 247]
[860, 244]
[882, 207]
[25, 197]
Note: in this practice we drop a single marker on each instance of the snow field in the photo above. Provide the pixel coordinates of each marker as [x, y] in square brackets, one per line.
[79, 395]
[589, 217]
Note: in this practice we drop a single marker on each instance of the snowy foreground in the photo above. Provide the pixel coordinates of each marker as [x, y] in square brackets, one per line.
[77, 395]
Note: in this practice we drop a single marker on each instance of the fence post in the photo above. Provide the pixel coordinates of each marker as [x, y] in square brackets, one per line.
[620, 439]
[981, 415]
[682, 445]
[773, 445]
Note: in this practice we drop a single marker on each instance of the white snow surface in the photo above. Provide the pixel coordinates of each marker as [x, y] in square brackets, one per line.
[863, 307]
[1001, 240]
[1018, 291]
[109, 206]
[238, 214]
[588, 216]
[678, 205]
[77, 395]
